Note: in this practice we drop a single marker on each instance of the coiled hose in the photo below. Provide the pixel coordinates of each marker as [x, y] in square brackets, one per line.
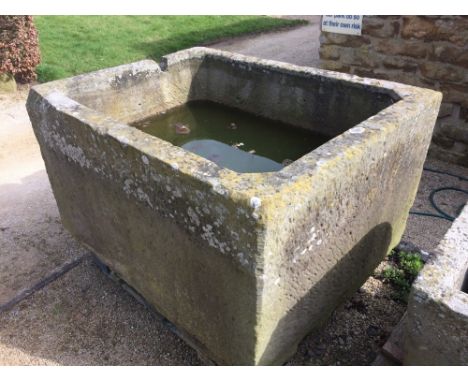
[441, 213]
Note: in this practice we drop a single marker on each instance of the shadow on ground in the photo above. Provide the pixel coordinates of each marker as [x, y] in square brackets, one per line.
[83, 318]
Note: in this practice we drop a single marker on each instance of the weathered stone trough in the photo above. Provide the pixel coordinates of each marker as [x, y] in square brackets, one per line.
[245, 263]
[437, 320]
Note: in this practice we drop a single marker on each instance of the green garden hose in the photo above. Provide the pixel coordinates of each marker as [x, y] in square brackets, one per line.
[441, 213]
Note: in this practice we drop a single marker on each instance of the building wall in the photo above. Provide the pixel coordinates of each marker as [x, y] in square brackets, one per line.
[426, 51]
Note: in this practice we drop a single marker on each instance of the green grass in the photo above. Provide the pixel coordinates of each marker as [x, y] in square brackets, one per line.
[72, 45]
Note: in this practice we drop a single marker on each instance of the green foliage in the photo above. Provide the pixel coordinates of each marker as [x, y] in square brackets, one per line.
[411, 263]
[73, 45]
[402, 274]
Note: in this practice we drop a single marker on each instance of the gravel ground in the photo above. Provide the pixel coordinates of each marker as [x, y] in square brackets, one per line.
[426, 232]
[356, 330]
[84, 318]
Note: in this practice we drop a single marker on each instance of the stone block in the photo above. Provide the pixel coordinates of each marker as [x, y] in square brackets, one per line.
[344, 40]
[335, 66]
[399, 47]
[450, 54]
[246, 263]
[329, 52]
[376, 27]
[441, 72]
[363, 57]
[454, 30]
[418, 27]
[403, 63]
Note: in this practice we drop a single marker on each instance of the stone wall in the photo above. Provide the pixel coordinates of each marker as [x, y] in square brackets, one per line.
[426, 51]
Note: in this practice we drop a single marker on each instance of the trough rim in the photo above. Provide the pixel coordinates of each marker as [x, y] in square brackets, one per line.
[410, 101]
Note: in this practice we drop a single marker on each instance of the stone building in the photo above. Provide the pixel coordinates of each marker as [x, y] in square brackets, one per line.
[426, 51]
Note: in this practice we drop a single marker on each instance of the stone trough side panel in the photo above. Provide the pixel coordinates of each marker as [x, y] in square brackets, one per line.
[131, 92]
[189, 242]
[330, 229]
[425, 51]
[437, 324]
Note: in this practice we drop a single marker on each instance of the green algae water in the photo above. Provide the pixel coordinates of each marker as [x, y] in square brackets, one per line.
[232, 138]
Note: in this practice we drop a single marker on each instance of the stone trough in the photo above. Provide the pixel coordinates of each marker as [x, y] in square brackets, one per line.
[245, 263]
[436, 327]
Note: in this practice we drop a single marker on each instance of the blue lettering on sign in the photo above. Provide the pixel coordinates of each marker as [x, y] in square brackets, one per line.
[347, 24]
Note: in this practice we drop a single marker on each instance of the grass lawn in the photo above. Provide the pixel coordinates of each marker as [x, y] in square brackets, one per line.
[72, 45]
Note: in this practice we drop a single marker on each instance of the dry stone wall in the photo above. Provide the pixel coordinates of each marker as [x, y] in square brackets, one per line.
[426, 51]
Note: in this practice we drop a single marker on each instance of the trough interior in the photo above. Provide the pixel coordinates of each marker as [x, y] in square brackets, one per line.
[321, 104]
[232, 138]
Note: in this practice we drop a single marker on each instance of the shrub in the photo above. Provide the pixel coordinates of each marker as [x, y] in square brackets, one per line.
[19, 47]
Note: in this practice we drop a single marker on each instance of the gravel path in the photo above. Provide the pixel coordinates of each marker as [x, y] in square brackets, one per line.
[298, 46]
[33, 243]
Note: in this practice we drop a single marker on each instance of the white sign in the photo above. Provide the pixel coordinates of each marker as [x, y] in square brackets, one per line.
[342, 24]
